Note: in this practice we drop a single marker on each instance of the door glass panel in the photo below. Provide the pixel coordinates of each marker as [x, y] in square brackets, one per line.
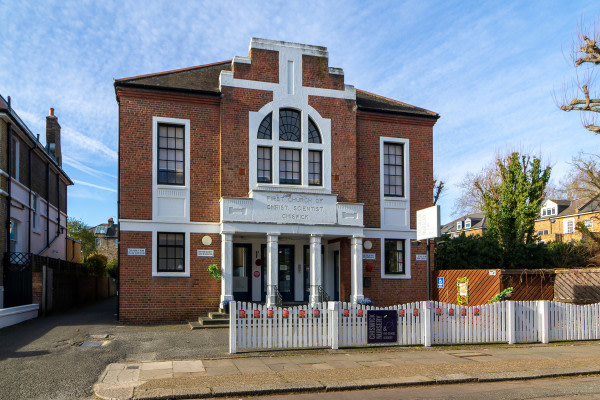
[240, 261]
[286, 269]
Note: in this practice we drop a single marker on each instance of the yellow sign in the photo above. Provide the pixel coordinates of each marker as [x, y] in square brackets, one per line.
[462, 289]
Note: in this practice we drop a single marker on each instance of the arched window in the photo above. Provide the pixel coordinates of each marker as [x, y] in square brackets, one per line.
[289, 125]
[264, 130]
[313, 132]
[293, 159]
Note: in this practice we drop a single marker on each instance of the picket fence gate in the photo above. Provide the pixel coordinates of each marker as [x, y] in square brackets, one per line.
[334, 324]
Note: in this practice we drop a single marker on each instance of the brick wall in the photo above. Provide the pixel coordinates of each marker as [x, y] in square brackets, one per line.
[264, 67]
[137, 107]
[145, 299]
[315, 73]
[235, 105]
[370, 127]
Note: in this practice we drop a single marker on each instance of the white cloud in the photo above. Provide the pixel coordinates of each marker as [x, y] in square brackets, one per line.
[78, 182]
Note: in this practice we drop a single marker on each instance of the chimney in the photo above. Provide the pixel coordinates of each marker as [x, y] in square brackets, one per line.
[53, 137]
[111, 222]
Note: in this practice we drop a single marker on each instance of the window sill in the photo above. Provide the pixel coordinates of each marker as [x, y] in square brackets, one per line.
[185, 274]
[395, 276]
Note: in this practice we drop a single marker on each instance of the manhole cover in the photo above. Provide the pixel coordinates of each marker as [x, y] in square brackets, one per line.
[92, 344]
[101, 336]
[133, 367]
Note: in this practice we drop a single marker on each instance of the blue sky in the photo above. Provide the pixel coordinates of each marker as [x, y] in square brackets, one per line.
[489, 68]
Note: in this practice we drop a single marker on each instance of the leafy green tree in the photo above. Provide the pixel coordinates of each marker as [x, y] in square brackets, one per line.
[112, 268]
[95, 264]
[512, 205]
[77, 229]
[467, 252]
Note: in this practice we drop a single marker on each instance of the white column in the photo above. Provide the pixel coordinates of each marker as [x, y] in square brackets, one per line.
[510, 322]
[226, 267]
[356, 269]
[272, 267]
[315, 269]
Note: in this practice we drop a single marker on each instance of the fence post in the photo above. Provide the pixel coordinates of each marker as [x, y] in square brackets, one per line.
[44, 289]
[426, 323]
[510, 322]
[543, 311]
[334, 322]
[232, 327]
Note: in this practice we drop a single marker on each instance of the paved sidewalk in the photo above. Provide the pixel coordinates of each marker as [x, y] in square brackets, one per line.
[346, 369]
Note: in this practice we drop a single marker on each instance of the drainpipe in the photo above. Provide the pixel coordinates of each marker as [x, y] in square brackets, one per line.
[9, 179]
[30, 222]
[47, 205]
[119, 212]
[58, 205]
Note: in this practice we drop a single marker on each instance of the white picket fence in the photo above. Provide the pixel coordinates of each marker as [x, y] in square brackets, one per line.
[254, 326]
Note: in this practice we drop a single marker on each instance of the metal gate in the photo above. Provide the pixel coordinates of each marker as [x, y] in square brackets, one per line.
[17, 279]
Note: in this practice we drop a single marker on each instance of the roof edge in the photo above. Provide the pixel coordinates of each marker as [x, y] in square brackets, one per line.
[171, 71]
[400, 102]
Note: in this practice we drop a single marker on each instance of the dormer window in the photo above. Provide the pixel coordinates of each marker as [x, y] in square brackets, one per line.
[467, 223]
[546, 211]
[289, 150]
[459, 225]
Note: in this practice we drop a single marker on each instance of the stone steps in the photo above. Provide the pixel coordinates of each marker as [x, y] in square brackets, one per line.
[218, 319]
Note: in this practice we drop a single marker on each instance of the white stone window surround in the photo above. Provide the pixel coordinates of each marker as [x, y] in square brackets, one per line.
[187, 250]
[170, 203]
[407, 259]
[324, 126]
[394, 208]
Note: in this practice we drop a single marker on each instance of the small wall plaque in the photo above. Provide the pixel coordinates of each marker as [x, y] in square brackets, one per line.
[421, 257]
[205, 253]
[369, 256]
[136, 252]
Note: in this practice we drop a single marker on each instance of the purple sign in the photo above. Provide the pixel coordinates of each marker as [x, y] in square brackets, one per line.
[382, 326]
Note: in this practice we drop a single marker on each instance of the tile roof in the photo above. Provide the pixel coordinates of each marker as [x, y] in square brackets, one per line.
[478, 221]
[205, 78]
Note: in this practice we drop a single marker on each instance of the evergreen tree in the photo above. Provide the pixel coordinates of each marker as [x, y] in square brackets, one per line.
[512, 205]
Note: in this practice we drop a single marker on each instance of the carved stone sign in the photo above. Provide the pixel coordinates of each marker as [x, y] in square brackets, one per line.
[294, 208]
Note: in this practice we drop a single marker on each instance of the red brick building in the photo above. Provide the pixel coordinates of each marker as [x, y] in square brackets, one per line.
[297, 185]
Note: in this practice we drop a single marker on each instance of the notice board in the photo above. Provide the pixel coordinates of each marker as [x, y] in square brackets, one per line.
[382, 326]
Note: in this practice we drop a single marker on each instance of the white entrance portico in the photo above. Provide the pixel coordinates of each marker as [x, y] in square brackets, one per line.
[276, 222]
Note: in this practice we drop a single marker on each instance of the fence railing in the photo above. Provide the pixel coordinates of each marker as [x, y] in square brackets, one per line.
[334, 324]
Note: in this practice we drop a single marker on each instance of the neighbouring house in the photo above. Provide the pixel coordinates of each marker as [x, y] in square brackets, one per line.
[558, 219]
[470, 224]
[299, 187]
[107, 239]
[556, 222]
[33, 211]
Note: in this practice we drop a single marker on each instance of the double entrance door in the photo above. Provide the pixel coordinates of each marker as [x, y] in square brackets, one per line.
[285, 258]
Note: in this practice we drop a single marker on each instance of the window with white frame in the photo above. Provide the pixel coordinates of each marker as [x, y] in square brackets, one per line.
[395, 261]
[97, 242]
[393, 169]
[171, 154]
[171, 252]
[569, 225]
[467, 223]
[588, 223]
[288, 149]
[548, 211]
[542, 232]
[459, 225]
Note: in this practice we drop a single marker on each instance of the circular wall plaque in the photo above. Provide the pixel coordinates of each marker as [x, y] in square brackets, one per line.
[368, 245]
[206, 240]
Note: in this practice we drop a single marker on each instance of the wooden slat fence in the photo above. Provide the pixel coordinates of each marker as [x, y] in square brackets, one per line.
[578, 286]
[255, 326]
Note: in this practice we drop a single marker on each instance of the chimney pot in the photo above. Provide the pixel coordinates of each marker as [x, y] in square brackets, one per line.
[51, 112]
[111, 222]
